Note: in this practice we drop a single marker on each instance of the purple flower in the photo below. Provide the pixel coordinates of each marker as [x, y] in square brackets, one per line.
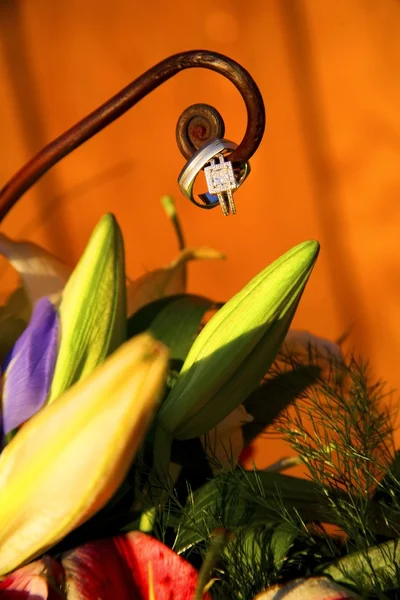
[29, 367]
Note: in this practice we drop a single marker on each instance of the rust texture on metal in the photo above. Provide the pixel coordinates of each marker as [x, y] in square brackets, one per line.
[191, 132]
[197, 125]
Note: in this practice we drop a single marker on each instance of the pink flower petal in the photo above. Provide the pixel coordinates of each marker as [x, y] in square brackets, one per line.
[314, 588]
[95, 570]
[40, 580]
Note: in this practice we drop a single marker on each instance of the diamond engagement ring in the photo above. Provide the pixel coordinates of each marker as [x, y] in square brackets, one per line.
[222, 179]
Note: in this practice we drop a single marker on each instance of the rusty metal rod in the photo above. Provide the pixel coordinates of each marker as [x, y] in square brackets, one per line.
[128, 97]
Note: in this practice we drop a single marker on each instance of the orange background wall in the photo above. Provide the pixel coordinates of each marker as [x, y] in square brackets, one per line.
[328, 167]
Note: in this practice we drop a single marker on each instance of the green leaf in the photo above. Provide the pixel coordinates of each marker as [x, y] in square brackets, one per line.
[237, 346]
[92, 309]
[167, 281]
[242, 499]
[274, 394]
[10, 330]
[14, 317]
[175, 321]
[168, 205]
[18, 305]
[283, 538]
[388, 490]
[255, 556]
[376, 568]
[260, 546]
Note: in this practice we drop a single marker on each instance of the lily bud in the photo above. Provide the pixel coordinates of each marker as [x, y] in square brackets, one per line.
[237, 346]
[68, 460]
[93, 308]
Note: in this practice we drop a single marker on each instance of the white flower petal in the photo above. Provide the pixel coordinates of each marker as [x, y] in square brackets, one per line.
[315, 588]
[300, 342]
[42, 274]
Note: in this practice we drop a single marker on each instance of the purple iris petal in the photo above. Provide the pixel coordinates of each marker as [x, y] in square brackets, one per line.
[30, 366]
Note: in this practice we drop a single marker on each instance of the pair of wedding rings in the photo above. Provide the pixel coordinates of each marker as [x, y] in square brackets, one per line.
[222, 178]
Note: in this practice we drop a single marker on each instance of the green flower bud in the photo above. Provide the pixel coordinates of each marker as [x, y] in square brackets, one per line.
[93, 308]
[236, 348]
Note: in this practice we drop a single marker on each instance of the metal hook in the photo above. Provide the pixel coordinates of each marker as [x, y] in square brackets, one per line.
[196, 126]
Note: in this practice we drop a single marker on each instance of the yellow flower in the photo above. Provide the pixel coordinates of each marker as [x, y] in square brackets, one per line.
[68, 460]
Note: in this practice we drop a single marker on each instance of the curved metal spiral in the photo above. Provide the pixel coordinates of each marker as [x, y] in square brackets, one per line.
[192, 132]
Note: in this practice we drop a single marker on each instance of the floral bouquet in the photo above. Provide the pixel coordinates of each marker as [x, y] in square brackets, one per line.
[127, 409]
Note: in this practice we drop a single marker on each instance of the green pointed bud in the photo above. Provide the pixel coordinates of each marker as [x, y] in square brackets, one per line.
[238, 345]
[92, 308]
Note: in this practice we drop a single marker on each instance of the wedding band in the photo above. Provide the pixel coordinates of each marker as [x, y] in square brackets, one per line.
[197, 162]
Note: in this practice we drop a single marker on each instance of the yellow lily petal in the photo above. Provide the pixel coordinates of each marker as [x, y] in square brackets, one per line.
[42, 274]
[69, 459]
[167, 281]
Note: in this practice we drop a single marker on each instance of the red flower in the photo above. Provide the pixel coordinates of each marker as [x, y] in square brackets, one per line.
[125, 567]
